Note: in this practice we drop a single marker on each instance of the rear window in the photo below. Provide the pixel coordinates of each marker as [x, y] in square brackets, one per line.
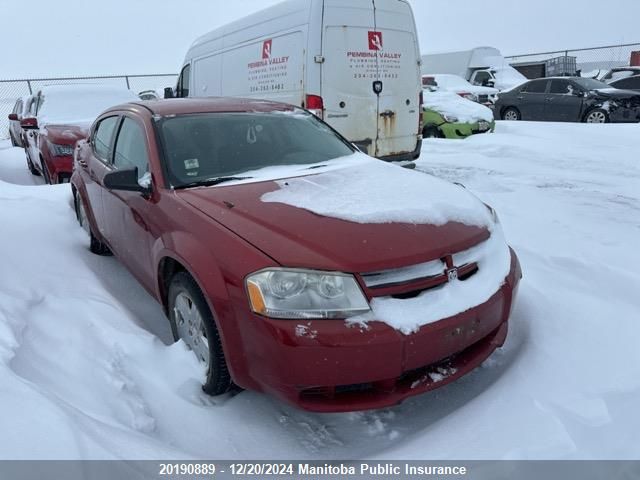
[535, 87]
[204, 146]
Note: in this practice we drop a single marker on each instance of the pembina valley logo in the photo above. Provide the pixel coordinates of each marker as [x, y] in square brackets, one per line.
[266, 49]
[375, 41]
[267, 57]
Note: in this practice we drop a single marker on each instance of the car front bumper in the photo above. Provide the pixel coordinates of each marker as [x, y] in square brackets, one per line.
[328, 366]
[60, 168]
[463, 130]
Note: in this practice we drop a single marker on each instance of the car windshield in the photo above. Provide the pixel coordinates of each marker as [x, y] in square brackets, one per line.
[591, 84]
[200, 148]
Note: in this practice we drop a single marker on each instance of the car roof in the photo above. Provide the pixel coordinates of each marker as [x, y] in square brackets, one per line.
[183, 106]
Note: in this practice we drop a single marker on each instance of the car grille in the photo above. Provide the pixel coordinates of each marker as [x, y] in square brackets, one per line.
[483, 98]
[409, 281]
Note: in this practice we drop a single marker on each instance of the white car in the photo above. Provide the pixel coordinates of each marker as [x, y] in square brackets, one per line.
[456, 84]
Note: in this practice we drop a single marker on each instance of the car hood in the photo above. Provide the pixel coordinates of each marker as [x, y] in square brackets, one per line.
[65, 134]
[299, 237]
[616, 93]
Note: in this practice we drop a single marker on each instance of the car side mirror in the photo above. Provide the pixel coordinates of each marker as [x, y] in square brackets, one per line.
[30, 123]
[168, 92]
[126, 180]
[13, 117]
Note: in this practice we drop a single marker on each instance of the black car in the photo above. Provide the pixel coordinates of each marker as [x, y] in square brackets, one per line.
[568, 99]
[628, 83]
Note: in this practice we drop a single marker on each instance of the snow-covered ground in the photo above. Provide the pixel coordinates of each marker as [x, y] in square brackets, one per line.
[87, 369]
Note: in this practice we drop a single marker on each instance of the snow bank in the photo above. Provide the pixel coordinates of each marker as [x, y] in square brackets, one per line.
[453, 105]
[374, 191]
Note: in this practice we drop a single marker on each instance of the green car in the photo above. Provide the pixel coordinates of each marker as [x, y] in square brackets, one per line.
[448, 115]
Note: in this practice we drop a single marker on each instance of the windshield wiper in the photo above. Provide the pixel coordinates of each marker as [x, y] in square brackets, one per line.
[315, 166]
[209, 182]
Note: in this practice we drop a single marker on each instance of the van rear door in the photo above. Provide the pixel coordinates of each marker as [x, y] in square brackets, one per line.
[399, 72]
[348, 71]
[367, 45]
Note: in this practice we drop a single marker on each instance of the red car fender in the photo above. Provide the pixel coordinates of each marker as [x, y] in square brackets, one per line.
[213, 286]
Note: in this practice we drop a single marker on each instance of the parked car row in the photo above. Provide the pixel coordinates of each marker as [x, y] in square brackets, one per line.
[50, 122]
[569, 99]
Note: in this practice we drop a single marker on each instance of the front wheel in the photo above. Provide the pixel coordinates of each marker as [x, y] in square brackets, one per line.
[191, 320]
[95, 245]
[431, 132]
[511, 114]
[31, 168]
[597, 115]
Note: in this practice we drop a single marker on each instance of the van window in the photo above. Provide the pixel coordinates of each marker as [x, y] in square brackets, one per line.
[183, 82]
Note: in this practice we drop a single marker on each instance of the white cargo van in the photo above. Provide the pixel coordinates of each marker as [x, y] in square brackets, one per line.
[355, 63]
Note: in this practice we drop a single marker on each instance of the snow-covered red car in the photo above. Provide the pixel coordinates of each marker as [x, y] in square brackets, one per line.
[289, 262]
[61, 116]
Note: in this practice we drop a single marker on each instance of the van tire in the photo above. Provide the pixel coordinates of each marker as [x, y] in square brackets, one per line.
[432, 132]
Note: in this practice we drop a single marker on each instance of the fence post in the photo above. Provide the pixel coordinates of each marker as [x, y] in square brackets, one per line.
[126, 77]
[29, 85]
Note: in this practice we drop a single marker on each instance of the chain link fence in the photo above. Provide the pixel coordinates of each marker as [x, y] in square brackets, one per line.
[587, 62]
[11, 90]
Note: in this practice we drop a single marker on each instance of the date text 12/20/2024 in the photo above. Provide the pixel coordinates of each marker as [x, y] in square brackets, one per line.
[285, 469]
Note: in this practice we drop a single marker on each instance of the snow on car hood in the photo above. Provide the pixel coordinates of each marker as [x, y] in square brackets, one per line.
[453, 105]
[378, 192]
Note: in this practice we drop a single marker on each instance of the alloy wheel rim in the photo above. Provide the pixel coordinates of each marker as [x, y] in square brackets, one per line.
[596, 117]
[190, 327]
[511, 115]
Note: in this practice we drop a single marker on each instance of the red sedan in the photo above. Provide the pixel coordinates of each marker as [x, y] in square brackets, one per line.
[276, 297]
[59, 116]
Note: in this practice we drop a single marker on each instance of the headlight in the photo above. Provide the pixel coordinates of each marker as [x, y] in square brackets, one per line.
[61, 150]
[302, 294]
[450, 118]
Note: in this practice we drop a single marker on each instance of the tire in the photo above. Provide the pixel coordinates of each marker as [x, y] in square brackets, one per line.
[13, 140]
[191, 320]
[431, 132]
[45, 172]
[95, 245]
[30, 166]
[597, 115]
[511, 114]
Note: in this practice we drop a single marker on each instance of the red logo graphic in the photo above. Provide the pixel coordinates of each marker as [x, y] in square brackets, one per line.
[375, 40]
[266, 49]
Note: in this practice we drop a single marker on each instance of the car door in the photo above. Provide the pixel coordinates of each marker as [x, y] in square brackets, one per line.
[532, 100]
[95, 162]
[127, 212]
[31, 135]
[563, 101]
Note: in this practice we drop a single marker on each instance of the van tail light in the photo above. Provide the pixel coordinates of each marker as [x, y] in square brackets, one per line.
[315, 105]
[420, 103]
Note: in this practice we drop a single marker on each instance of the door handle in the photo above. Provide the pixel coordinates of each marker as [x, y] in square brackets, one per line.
[139, 220]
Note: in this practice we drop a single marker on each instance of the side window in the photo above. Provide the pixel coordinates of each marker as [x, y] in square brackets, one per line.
[539, 86]
[481, 78]
[131, 149]
[632, 83]
[183, 81]
[561, 87]
[102, 137]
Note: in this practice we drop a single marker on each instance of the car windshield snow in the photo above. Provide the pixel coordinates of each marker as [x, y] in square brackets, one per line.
[202, 147]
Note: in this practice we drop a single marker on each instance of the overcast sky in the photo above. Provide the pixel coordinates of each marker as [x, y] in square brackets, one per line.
[75, 37]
